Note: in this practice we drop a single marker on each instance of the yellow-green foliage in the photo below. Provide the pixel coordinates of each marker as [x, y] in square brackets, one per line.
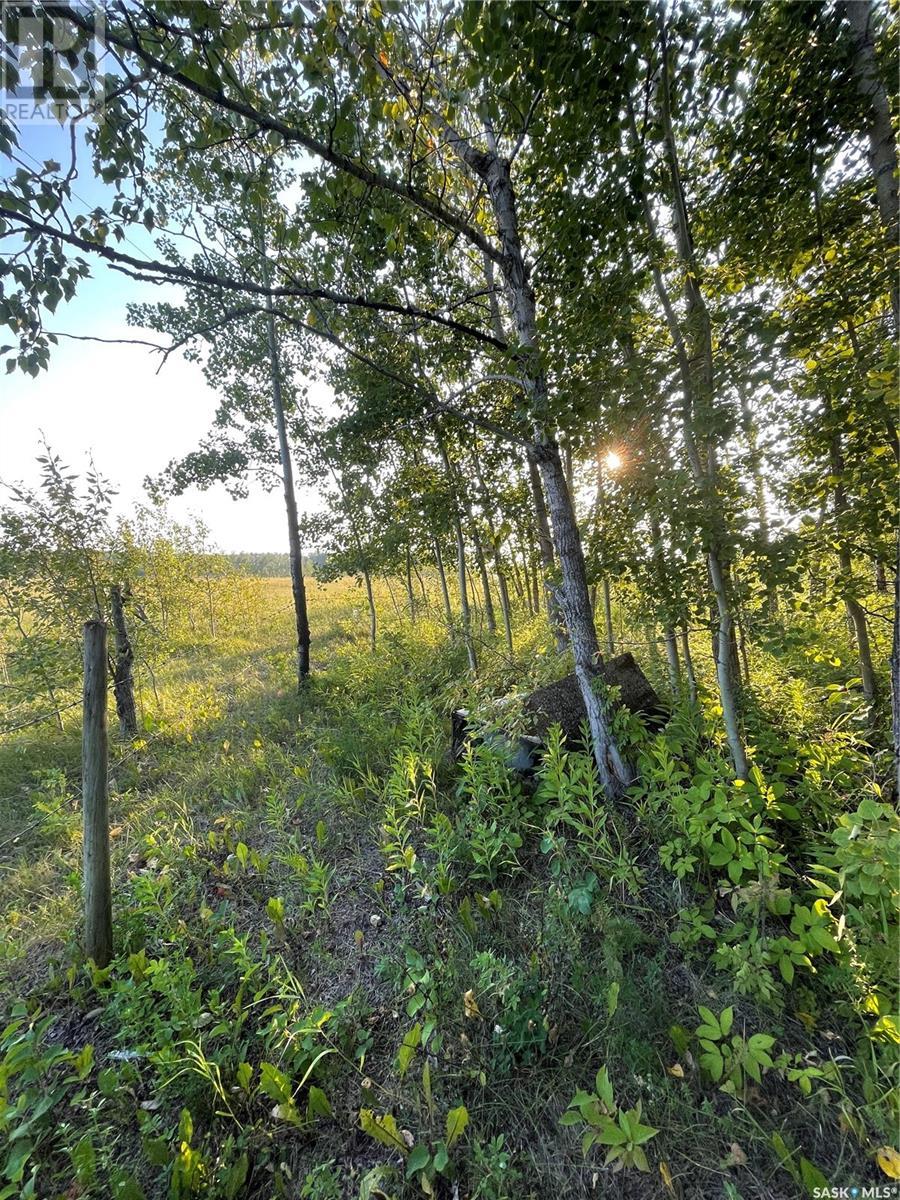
[330, 936]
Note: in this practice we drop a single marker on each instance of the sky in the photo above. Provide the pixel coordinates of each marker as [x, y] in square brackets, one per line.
[107, 401]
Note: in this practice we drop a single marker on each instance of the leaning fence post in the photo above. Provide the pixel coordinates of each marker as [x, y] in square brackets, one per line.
[95, 799]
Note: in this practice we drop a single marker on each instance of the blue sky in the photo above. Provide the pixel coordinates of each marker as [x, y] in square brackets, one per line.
[108, 400]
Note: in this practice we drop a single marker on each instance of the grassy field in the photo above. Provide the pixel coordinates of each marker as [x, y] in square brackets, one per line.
[349, 967]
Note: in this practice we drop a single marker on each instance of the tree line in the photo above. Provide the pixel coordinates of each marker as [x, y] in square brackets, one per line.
[606, 294]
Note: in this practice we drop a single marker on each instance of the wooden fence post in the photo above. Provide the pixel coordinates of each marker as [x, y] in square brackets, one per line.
[95, 799]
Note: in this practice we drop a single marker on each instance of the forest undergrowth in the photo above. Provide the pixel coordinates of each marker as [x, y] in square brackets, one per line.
[347, 966]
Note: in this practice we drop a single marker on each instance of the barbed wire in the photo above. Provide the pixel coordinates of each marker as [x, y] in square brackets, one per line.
[51, 716]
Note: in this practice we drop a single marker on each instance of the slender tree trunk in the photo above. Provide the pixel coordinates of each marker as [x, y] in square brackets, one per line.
[489, 511]
[671, 642]
[421, 580]
[895, 670]
[856, 617]
[742, 646]
[123, 667]
[464, 609]
[615, 773]
[362, 562]
[489, 613]
[545, 547]
[298, 587]
[514, 574]
[688, 665]
[653, 658]
[696, 370]
[527, 581]
[755, 460]
[535, 589]
[860, 628]
[480, 562]
[880, 133]
[473, 591]
[210, 607]
[672, 662]
[883, 161]
[373, 616]
[599, 498]
[397, 610]
[503, 592]
[725, 666]
[494, 173]
[607, 617]
[410, 597]
[442, 579]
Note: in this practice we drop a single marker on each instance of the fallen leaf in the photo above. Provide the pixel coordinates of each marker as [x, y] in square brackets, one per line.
[677, 1070]
[470, 1005]
[889, 1161]
[736, 1156]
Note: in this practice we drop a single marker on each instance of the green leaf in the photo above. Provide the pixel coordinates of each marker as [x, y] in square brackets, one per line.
[185, 1126]
[604, 1087]
[383, 1129]
[642, 1133]
[610, 1134]
[157, 1151]
[236, 1177]
[124, 1186]
[760, 1041]
[711, 1033]
[370, 1185]
[457, 1120]
[640, 1159]
[84, 1160]
[725, 1021]
[708, 1017]
[317, 1103]
[714, 1065]
[18, 1158]
[274, 1083]
[426, 1084]
[418, 1160]
[408, 1048]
